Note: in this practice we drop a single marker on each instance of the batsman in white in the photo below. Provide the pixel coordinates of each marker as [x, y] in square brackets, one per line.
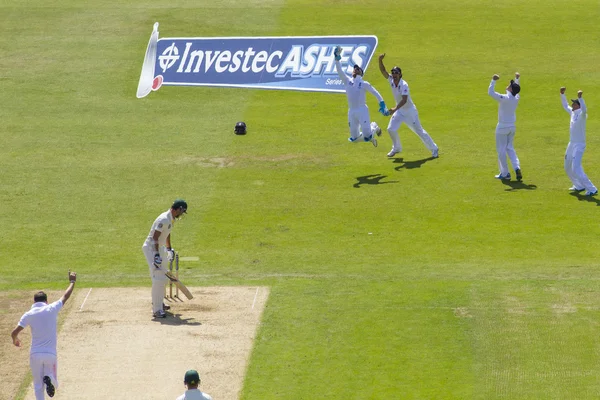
[158, 247]
[405, 111]
[506, 128]
[42, 318]
[576, 146]
[191, 380]
[358, 112]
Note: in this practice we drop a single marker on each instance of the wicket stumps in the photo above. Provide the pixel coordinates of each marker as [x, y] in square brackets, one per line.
[169, 295]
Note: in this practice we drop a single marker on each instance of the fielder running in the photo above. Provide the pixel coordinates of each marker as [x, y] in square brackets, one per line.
[404, 112]
[42, 318]
[576, 146]
[506, 128]
[158, 247]
[358, 112]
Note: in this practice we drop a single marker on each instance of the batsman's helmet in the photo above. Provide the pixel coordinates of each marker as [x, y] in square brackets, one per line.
[240, 128]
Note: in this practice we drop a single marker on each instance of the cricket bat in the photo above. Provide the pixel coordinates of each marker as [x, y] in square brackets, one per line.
[179, 284]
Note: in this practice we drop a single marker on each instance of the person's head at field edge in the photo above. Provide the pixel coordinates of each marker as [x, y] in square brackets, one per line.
[396, 74]
[191, 379]
[358, 71]
[513, 87]
[575, 104]
[179, 208]
[40, 297]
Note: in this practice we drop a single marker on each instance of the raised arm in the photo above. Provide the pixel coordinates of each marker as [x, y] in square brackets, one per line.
[384, 72]
[337, 53]
[72, 279]
[496, 96]
[582, 102]
[563, 100]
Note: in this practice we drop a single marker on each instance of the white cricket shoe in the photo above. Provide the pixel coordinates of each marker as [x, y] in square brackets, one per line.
[375, 128]
[393, 152]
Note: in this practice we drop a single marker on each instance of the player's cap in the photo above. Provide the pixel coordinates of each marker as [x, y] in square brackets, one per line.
[576, 101]
[397, 70]
[516, 88]
[178, 203]
[360, 69]
[191, 377]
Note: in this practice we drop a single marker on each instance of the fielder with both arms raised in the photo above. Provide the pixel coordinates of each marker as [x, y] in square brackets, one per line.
[158, 247]
[358, 112]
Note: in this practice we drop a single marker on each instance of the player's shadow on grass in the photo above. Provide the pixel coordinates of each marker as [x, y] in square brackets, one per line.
[176, 319]
[371, 180]
[517, 185]
[582, 197]
[410, 164]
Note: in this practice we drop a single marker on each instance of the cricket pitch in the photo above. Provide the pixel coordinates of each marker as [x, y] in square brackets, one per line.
[109, 345]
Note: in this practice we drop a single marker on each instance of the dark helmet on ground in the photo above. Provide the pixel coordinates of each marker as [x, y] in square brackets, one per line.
[240, 128]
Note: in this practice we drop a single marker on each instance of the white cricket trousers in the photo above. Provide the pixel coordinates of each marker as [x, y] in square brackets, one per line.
[359, 120]
[505, 137]
[159, 279]
[414, 124]
[573, 168]
[42, 364]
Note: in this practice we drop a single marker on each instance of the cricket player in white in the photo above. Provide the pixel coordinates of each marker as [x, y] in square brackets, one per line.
[42, 318]
[405, 111]
[158, 247]
[191, 380]
[358, 112]
[576, 146]
[506, 128]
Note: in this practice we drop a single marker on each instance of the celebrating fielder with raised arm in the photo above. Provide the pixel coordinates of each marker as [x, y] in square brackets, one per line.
[358, 112]
[506, 128]
[576, 146]
[157, 247]
[404, 111]
[43, 320]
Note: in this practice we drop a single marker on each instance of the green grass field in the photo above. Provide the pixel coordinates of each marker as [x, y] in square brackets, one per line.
[434, 282]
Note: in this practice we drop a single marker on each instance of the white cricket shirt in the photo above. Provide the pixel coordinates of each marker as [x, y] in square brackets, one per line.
[163, 224]
[42, 318]
[399, 91]
[356, 88]
[578, 118]
[507, 116]
[194, 394]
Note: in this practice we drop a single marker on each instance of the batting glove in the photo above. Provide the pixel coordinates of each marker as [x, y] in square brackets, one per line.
[157, 260]
[337, 53]
[383, 108]
[170, 254]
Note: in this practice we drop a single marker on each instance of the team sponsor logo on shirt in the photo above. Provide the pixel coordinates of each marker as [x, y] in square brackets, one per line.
[304, 63]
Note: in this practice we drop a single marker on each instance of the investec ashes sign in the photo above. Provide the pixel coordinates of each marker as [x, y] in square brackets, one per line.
[291, 63]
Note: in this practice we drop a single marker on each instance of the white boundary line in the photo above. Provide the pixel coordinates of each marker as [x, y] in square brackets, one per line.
[84, 300]
[255, 295]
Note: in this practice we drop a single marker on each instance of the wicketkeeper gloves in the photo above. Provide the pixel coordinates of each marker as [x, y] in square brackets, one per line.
[337, 53]
[383, 109]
